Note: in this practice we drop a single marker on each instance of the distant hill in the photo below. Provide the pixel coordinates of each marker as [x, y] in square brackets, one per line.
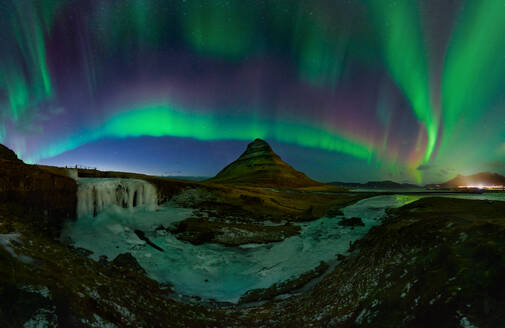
[387, 184]
[483, 178]
[185, 177]
[260, 166]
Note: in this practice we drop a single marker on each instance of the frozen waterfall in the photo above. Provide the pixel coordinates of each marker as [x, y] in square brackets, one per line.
[96, 195]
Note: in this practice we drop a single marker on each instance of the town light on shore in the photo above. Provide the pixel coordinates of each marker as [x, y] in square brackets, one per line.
[482, 186]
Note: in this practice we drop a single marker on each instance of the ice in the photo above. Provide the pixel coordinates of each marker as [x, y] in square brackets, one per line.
[5, 242]
[375, 207]
[465, 323]
[213, 271]
[96, 195]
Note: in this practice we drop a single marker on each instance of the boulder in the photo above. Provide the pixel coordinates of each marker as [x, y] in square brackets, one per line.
[262, 294]
[352, 222]
[127, 261]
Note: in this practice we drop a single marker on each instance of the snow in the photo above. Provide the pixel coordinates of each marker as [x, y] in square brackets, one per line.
[41, 290]
[361, 316]
[5, 242]
[465, 323]
[98, 322]
[43, 318]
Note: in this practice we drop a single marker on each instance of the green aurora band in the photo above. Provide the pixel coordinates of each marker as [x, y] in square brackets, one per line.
[474, 69]
[163, 120]
[400, 27]
[24, 87]
[318, 44]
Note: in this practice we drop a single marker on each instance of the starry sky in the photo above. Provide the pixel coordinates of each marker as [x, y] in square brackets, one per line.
[347, 90]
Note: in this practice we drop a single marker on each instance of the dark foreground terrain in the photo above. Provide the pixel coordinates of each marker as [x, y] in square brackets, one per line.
[436, 262]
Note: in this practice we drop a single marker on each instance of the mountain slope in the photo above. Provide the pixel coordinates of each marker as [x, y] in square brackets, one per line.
[375, 185]
[260, 166]
[483, 178]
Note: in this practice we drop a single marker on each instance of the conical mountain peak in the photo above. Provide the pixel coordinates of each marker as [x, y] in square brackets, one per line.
[257, 148]
[259, 165]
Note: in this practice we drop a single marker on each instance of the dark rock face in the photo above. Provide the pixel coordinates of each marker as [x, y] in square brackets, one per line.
[436, 262]
[352, 222]
[7, 154]
[142, 236]
[19, 305]
[260, 166]
[50, 198]
[201, 230]
[334, 212]
[126, 260]
[262, 294]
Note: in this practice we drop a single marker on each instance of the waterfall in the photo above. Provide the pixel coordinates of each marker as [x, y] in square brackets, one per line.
[96, 195]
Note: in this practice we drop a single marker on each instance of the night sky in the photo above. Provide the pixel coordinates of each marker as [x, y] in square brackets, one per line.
[349, 90]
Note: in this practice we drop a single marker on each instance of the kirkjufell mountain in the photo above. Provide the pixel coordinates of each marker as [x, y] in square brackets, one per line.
[259, 165]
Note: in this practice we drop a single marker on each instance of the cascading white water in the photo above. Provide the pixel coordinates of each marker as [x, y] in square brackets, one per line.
[96, 195]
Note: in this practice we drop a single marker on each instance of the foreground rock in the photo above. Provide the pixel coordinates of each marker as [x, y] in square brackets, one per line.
[436, 262]
[44, 283]
[127, 261]
[284, 287]
[351, 222]
[30, 191]
[7, 154]
[201, 230]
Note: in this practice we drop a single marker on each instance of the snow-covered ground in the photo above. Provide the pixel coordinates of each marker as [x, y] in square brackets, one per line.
[214, 271]
[5, 242]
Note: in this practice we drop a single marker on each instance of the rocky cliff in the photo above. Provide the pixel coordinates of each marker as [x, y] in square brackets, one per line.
[260, 166]
[36, 194]
[7, 154]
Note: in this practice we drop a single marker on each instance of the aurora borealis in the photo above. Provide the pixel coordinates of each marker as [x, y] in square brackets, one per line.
[344, 90]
